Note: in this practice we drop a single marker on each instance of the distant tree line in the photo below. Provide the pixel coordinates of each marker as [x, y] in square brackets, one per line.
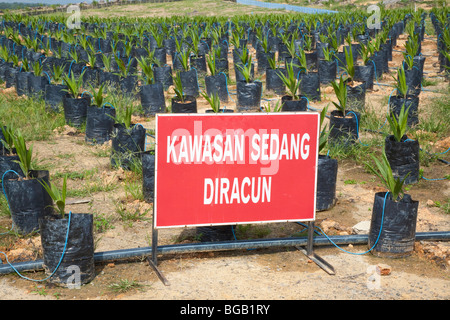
[18, 5]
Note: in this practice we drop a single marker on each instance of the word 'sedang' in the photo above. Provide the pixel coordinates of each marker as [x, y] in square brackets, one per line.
[198, 149]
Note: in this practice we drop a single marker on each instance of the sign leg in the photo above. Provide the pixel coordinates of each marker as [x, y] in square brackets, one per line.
[309, 252]
[153, 262]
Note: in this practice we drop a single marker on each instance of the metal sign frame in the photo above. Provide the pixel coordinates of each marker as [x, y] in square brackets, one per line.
[308, 251]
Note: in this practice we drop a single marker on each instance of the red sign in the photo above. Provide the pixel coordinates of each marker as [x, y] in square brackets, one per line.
[235, 168]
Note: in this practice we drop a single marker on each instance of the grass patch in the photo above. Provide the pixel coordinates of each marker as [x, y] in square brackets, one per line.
[30, 117]
[75, 175]
[89, 189]
[124, 285]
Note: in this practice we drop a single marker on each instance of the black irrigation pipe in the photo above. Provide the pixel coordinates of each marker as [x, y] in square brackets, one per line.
[221, 246]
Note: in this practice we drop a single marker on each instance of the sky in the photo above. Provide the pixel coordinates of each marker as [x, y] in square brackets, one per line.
[46, 1]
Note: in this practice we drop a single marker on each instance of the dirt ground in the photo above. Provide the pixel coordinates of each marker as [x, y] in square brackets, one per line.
[254, 274]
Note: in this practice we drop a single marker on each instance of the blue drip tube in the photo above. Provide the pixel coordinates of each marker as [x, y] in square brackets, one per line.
[378, 237]
[226, 85]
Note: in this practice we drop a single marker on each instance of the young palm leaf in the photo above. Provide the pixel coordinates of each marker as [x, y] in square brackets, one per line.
[246, 69]
[350, 66]
[302, 60]
[213, 101]
[399, 127]
[178, 87]
[272, 63]
[147, 70]
[276, 108]
[107, 60]
[211, 61]
[73, 84]
[38, 68]
[323, 138]
[290, 81]
[327, 54]
[59, 197]
[340, 89]
[123, 115]
[384, 172]
[8, 139]
[57, 73]
[184, 58]
[24, 154]
[401, 86]
[98, 95]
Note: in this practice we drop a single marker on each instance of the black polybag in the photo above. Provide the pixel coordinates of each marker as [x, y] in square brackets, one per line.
[99, 124]
[403, 157]
[28, 200]
[152, 98]
[127, 145]
[77, 266]
[397, 221]
[75, 110]
[326, 183]
[248, 96]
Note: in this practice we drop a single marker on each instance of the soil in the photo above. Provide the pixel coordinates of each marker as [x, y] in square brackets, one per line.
[283, 273]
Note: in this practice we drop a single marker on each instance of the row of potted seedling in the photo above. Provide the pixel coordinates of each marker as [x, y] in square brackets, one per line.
[290, 78]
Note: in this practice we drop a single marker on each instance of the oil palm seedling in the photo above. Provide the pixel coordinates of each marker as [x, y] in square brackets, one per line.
[356, 92]
[246, 70]
[53, 230]
[402, 153]
[58, 196]
[7, 140]
[184, 56]
[384, 172]
[398, 125]
[327, 66]
[21, 81]
[178, 88]
[74, 85]
[8, 157]
[327, 169]
[37, 80]
[195, 42]
[213, 101]
[128, 139]
[249, 90]
[188, 74]
[340, 90]
[343, 123]
[403, 98]
[292, 100]
[245, 62]
[182, 102]
[291, 81]
[310, 81]
[273, 78]
[264, 53]
[127, 79]
[151, 92]
[24, 153]
[26, 197]
[394, 214]
[55, 90]
[75, 106]
[216, 81]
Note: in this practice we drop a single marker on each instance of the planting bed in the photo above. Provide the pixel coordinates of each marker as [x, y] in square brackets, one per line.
[122, 218]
